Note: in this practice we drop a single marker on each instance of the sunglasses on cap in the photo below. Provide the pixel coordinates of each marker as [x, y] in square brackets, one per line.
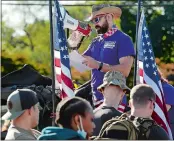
[98, 18]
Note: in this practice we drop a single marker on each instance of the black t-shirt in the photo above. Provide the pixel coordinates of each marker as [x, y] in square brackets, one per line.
[158, 133]
[101, 115]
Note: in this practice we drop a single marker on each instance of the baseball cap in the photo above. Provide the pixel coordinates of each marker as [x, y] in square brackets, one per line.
[18, 101]
[115, 78]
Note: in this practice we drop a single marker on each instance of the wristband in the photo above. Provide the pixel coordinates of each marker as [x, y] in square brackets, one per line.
[100, 66]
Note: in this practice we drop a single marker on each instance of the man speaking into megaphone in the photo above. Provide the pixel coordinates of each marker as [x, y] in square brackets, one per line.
[111, 50]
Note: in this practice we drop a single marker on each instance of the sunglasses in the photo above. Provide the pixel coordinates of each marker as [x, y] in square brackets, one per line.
[97, 19]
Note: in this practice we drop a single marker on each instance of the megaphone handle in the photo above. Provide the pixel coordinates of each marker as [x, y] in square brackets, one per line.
[79, 44]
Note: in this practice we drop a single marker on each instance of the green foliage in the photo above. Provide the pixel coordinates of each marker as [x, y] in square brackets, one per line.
[34, 47]
[23, 51]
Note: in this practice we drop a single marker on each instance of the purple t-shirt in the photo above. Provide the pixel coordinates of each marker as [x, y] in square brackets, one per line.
[168, 93]
[108, 50]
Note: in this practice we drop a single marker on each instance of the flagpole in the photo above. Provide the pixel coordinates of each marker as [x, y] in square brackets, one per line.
[136, 48]
[52, 61]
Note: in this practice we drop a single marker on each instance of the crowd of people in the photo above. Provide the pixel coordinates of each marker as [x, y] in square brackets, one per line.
[110, 55]
[77, 120]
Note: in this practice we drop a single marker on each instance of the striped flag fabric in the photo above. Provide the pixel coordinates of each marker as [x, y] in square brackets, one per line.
[147, 73]
[61, 55]
[122, 106]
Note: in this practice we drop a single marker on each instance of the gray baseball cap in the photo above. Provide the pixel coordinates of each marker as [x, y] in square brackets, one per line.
[18, 101]
[114, 78]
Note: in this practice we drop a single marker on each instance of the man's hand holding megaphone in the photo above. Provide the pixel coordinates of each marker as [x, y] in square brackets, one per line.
[84, 28]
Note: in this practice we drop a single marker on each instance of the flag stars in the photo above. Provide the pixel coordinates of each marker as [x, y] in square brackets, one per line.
[154, 73]
[147, 36]
[151, 58]
[145, 28]
[60, 18]
[144, 51]
[62, 49]
[147, 65]
[65, 56]
[148, 43]
[150, 51]
[143, 44]
[66, 48]
[153, 65]
[145, 58]
[60, 40]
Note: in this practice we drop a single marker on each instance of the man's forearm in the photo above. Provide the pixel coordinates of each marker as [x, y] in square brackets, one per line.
[124, 67]
[120, 67]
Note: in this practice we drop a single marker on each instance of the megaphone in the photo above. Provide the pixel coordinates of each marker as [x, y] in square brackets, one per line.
[74, 24]
[79, 29]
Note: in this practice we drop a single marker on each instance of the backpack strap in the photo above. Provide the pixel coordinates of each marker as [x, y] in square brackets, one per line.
[144, 126]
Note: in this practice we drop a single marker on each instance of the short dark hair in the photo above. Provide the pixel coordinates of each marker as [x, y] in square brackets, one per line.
[141, 94]
[70, 107]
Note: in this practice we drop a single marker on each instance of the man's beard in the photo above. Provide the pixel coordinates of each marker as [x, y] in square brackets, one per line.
[103, 29]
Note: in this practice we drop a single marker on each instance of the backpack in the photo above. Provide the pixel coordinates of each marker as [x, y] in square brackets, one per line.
[126, 128]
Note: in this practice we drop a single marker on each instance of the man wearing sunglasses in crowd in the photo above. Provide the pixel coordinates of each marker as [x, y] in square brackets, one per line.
[111, 50]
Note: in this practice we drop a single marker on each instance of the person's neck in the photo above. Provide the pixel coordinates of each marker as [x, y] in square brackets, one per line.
[21, 124]
[140, 113]
[111, 100]
[110, 27]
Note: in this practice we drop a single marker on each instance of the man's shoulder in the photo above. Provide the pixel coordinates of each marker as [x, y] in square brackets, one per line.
[103, 112]
[121, 34]
[12, 133]
[157, 132]
[18, 134]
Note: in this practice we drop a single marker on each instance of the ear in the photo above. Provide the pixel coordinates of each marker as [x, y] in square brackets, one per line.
[75, 122]
[151, 105]
[122, 94]
[30, 110]
[109, 17]
[76, 119]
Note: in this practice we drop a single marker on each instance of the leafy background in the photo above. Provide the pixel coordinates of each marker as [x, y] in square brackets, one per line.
[34, 46]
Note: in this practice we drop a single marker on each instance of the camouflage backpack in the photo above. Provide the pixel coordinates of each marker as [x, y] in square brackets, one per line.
[126, 128]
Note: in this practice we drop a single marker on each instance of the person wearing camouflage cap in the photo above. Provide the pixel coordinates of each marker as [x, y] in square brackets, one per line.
[114, 78]
[113, 90]
[111, 50]
[23, 111]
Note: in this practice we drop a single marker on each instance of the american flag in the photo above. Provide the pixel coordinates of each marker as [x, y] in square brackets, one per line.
[61, 57]
[123, 104]
[147, 73]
